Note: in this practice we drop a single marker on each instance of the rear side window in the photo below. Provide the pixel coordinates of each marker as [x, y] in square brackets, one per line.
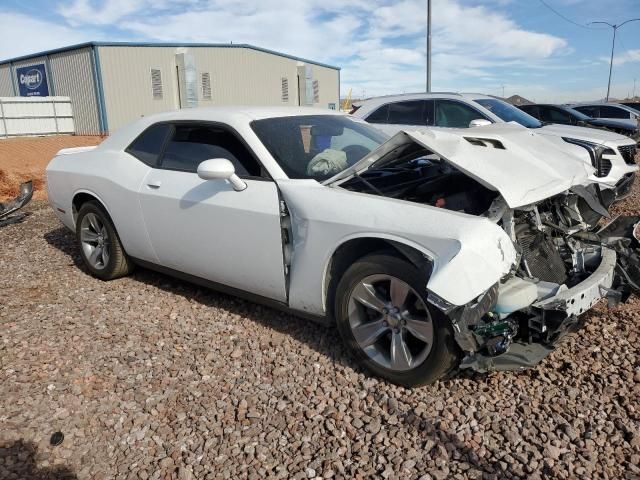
[532, 110]
[592, 112]
[607, 111]
[379, 116]
[407, 113]
[555, 115]
[148, 146]
[193, 143]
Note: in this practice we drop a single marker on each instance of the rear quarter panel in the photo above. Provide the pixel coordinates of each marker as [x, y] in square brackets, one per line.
[114, 178]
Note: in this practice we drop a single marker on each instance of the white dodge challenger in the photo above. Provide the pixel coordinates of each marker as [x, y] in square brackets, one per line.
[476, 248]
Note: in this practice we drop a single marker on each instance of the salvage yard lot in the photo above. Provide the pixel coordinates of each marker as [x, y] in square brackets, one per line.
[152, 377]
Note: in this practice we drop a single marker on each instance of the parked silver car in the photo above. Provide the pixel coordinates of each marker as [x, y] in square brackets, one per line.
[616, 165]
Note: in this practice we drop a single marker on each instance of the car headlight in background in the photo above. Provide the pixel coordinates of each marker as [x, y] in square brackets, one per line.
[596, 151]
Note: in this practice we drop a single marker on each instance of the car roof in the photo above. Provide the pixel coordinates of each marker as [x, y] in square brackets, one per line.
[596, 104]
[237, 117]
[369, 104]
[227, 113]
[422, 95]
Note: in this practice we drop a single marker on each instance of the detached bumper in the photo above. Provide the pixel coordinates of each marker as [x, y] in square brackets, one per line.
[587, 293]
[553, 318]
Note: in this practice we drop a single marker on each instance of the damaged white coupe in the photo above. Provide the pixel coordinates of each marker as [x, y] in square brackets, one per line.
[477, 248]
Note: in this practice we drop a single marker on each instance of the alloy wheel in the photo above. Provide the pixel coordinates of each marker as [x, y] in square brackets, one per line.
[95, 241]
[390, 322]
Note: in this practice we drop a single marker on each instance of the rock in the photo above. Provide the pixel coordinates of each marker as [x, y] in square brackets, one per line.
[104, 363]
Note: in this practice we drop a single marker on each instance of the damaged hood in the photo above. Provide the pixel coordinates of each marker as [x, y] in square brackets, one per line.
[523, 166]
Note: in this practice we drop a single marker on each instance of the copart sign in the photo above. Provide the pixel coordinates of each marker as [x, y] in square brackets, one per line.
[32, 81]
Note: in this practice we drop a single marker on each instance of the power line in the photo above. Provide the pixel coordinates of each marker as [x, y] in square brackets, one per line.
[566, 18]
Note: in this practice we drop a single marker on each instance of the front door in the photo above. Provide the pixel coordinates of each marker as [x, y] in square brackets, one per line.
[204, 227]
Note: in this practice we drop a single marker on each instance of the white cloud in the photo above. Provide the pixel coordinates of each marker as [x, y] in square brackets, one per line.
[379, 44]
[383, 43]
[624, 57]
[21, 35]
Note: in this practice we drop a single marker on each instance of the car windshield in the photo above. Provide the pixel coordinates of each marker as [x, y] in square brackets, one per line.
[508, 112]
[317, 146]
[633, 109]
[578, 115]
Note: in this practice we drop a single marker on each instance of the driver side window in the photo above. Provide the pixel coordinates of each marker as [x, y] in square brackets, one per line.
[455, 114]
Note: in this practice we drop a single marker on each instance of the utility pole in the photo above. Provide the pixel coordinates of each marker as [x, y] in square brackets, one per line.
[634, 89]
[613, 46]
[428, 46]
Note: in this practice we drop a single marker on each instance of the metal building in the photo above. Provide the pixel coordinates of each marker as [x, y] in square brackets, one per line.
[110, 84]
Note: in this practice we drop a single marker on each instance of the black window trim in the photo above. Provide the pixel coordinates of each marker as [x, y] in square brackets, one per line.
[173, 123]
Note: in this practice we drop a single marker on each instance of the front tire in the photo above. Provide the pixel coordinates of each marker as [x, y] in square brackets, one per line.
[384, 318]
[100, 245]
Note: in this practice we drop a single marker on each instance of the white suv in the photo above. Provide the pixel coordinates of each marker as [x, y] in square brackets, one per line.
[613, 155]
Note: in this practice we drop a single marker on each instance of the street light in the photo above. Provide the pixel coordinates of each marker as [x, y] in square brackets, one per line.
[428, 46]
[613, 46]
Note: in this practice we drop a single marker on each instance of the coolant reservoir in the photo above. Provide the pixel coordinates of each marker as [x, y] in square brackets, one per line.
[515, 294]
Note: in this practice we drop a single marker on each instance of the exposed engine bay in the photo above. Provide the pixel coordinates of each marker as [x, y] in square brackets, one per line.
[419, 176]
[566, 261]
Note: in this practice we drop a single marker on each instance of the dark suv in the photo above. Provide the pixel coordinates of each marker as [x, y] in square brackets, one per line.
[570, 116]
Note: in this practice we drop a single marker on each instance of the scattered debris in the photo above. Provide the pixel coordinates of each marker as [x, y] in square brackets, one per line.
[24, 197]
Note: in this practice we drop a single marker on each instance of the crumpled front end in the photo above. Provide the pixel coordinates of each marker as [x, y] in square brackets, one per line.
[566, 265]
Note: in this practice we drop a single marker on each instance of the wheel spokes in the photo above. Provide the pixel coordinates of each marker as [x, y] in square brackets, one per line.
[105, 254]
[365, 294]
[367, 333]
[89, 236]
[398, 290]
[94, 222]
[400, 354]
[95, 254]
[421, 328]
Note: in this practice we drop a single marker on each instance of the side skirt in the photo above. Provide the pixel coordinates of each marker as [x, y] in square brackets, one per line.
[236, 292]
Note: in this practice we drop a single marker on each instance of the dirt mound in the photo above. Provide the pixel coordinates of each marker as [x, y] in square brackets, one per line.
[26, 158]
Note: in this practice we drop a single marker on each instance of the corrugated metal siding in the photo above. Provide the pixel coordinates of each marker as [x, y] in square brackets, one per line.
[6, 90]
[238, 76]
[328, 87]
[73, 77]
[126, 79]
[246, 77]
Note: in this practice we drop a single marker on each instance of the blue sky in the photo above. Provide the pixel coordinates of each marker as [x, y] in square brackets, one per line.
[479, 46]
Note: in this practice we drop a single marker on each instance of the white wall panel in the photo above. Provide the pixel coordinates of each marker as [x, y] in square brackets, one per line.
[24, 116]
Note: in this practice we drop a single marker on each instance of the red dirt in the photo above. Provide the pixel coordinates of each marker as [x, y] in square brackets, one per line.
[26, 158]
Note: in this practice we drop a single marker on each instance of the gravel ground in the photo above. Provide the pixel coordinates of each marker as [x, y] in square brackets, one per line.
[151, 377]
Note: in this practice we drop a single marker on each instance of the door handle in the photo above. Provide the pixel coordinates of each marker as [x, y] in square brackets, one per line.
[154, 184]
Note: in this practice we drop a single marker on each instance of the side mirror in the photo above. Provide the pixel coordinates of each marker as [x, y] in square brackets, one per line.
[221, 169]
[479, 122]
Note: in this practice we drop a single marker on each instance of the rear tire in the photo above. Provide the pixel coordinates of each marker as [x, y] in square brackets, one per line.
[100, 245]
[384, 319]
